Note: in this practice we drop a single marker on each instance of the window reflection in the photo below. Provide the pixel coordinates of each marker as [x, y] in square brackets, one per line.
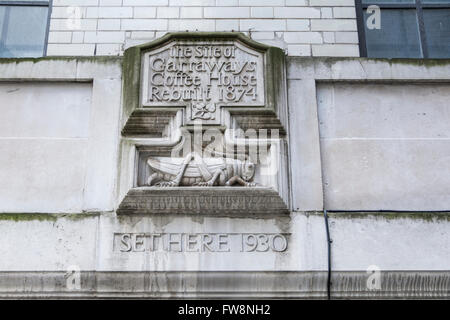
[23, 30]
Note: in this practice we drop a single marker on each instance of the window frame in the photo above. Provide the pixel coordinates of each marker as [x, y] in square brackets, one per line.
[417, 5]
[34, 3]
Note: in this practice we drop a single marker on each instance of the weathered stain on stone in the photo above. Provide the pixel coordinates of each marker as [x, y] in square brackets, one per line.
[391, 215]
[97, 59]
[19, 217]
[329, 61]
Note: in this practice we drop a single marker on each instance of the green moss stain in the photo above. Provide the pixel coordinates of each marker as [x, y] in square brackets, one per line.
[329, 61]
[96, 59]
[51, 217]
[383, 215]
[417, 62]
[131, 69]
[20, 217]
[80, 216]
[391, 215]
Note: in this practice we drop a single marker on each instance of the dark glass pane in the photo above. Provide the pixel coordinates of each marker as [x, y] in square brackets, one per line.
[398, 36]
[381, 2]
[437, 31]
[22, 31]
[435, 2]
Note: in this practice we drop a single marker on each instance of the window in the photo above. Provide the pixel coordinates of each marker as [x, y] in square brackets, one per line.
[24, 28]
[406, 28]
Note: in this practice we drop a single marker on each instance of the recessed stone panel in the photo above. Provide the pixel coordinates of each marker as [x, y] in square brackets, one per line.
[385, 146]
[40, 109]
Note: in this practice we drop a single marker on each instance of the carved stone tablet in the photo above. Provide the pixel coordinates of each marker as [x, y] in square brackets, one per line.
[201, 73]
[203, 76]
[204, 110]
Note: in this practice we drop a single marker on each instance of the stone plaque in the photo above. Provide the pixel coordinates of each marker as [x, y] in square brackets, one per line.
[203, 76]
[200, 242]
[204, 110]
[200, 74]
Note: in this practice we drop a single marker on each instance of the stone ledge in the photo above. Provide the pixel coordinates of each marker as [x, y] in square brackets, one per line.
[368, 69]
[215, 201]
[295, 284]
[148, 122]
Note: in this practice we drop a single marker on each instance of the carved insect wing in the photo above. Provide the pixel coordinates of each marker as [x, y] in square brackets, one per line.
[193, 170]
[166, 166]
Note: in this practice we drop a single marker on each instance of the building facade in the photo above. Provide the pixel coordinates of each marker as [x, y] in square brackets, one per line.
[214, 148]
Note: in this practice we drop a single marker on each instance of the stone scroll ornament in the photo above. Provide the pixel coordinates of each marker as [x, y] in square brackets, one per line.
[219, 81]
[203, 111]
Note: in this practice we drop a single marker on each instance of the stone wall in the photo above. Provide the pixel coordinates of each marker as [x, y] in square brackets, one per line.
[383, 148]
[59, 168]
[59, 134]
[107, 27]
